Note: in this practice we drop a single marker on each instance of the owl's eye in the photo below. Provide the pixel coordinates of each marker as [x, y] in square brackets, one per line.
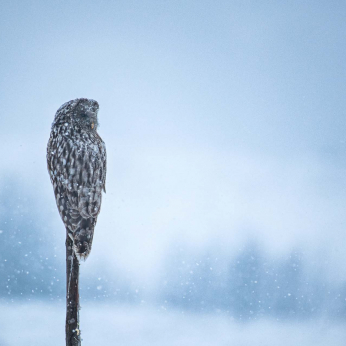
[83, 115]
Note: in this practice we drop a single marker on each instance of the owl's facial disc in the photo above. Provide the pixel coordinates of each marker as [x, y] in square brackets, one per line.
[85, 114]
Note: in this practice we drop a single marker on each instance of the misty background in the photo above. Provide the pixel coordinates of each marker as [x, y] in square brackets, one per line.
[225, 131]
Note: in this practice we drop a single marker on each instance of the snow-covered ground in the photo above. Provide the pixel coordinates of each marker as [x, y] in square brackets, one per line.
[43, 324]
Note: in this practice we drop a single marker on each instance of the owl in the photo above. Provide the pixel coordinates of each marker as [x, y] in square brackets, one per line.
[76, 161]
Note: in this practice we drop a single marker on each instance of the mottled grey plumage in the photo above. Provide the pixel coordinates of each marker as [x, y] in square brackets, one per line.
[76, 160]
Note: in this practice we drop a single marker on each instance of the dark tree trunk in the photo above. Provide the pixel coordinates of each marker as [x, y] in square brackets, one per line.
[73, 337]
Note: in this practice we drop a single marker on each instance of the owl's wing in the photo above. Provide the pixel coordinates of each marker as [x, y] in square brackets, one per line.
[78, 173]
[89, 180]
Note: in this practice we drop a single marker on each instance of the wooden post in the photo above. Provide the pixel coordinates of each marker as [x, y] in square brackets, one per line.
[73, 337]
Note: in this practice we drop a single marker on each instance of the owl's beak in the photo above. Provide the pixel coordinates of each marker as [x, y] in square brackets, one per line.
[92, 126]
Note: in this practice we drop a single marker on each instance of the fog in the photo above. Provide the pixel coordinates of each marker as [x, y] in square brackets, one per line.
[224, 128]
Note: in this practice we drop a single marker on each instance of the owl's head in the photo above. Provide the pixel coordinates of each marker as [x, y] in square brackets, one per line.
[80, 113]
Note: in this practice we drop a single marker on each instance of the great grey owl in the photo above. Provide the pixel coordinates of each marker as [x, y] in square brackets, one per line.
[76, 160]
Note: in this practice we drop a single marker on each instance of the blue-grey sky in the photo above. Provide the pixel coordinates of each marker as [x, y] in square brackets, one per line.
[223, 119]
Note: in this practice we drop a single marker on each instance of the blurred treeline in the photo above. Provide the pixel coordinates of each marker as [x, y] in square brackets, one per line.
[246, 285]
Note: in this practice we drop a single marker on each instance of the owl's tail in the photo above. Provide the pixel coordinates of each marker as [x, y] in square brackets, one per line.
[82, 241]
